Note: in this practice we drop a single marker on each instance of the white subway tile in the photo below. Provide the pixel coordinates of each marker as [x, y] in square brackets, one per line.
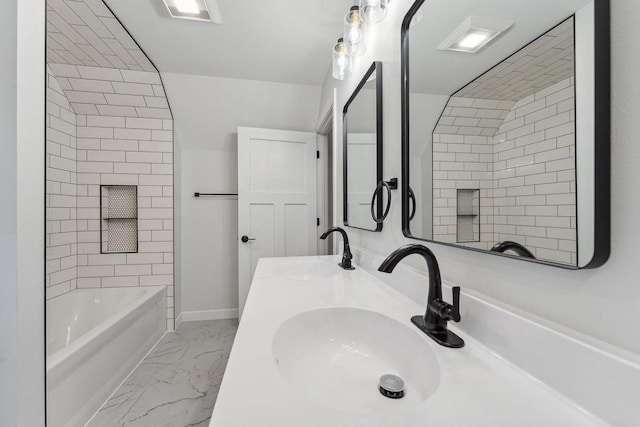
[106, 121]
[95, 271]
[133, 270]
[116, 110]
[119, 281]
[97, 73]
[144, 157]
[133, 89]
[136, 134]
[125, 100]
[143, 123]
[119, 179]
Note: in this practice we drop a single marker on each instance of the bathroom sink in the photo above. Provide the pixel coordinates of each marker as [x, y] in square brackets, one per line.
[336, 357]
[306, 270]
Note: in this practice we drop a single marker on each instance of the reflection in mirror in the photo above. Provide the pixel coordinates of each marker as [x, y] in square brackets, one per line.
[490, 144]
[362, 151]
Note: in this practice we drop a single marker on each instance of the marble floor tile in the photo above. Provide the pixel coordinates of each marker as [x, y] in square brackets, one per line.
[176, 385]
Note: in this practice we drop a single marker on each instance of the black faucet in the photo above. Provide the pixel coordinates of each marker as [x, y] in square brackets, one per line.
[513, 246]
[346, 256]
[438, 313]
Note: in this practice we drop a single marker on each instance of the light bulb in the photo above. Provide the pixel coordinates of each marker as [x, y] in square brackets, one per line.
[355, 34]
[341, 61]
[473, 40]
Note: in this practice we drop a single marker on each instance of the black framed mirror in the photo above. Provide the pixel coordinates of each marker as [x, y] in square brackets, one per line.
[362, 153]
[506, 128]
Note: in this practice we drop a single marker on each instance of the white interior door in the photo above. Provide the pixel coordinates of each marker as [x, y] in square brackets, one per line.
[276, 198]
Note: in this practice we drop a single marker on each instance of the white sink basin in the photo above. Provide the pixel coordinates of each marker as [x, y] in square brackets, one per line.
[306, 270]
[337, 355]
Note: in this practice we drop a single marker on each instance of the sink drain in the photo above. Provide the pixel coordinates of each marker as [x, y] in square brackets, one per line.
[391, 386]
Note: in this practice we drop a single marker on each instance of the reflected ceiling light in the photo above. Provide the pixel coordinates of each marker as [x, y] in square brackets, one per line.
[373, 10]
[416, 18]
[354, 32]
[198, 10]
[473, 34]
[187, 6]
[341, 65]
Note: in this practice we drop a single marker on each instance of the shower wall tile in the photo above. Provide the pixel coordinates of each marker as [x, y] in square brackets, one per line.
[523, 163]
[61, 172]
[121, 135]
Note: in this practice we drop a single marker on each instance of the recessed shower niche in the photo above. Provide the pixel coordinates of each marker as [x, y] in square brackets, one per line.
[119, 219]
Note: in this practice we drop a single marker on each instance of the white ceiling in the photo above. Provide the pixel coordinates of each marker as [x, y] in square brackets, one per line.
[277, 40]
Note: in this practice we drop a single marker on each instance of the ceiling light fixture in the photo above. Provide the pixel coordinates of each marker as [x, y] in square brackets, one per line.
[473, 34]
[187, 6]
[354, 32]
[373, 10]
[341, 65]
[198, 10]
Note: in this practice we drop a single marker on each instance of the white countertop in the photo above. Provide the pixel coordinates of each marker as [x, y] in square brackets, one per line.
[476, 388]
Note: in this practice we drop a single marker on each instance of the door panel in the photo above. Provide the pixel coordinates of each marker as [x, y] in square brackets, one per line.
[277, 203]
[296, 232]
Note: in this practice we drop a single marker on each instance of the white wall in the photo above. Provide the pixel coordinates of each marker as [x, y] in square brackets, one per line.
[207, 112]
[22, 82]
[603, 304]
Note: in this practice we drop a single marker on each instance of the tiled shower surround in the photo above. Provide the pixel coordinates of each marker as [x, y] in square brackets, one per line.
[521, 155]
[61, 192]
[122, 135]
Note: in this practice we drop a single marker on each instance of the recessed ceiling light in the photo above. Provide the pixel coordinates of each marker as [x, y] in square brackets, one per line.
[198, 10]
[473, 34]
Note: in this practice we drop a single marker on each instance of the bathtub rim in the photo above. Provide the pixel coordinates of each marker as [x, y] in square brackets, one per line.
[56, 359]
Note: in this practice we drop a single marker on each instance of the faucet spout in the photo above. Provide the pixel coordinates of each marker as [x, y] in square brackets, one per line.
[346, 253]
[438, 312]
[508, 245]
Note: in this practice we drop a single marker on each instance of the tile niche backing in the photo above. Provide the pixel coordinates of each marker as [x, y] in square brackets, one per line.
[118, 219]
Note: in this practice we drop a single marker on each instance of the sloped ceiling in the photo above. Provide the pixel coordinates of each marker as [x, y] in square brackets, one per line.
[286, 41]
[543, 63]
[85, 32]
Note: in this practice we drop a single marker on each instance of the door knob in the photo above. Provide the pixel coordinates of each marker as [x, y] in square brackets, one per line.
[245, 239]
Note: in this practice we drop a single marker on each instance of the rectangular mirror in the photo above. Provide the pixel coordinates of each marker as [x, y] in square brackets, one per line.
[506, 128]
[362, 144]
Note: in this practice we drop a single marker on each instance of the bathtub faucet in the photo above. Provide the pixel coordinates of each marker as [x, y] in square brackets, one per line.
[346, 256]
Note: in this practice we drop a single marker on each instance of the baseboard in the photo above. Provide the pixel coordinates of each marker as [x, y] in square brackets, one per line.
[192, 316]
[178, 322]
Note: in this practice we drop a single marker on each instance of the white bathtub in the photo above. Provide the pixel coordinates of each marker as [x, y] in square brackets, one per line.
[95, 337]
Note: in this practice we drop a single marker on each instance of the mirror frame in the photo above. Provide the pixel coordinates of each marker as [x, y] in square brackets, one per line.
[377, 67]
[602, 140]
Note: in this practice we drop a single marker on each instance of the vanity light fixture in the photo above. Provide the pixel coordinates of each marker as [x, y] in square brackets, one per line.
[341, 60]
[373, 10]
[197, 10]
[473, 34]
[354, 32]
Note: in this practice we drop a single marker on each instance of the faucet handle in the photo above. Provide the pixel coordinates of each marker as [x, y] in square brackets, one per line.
[455, 312]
